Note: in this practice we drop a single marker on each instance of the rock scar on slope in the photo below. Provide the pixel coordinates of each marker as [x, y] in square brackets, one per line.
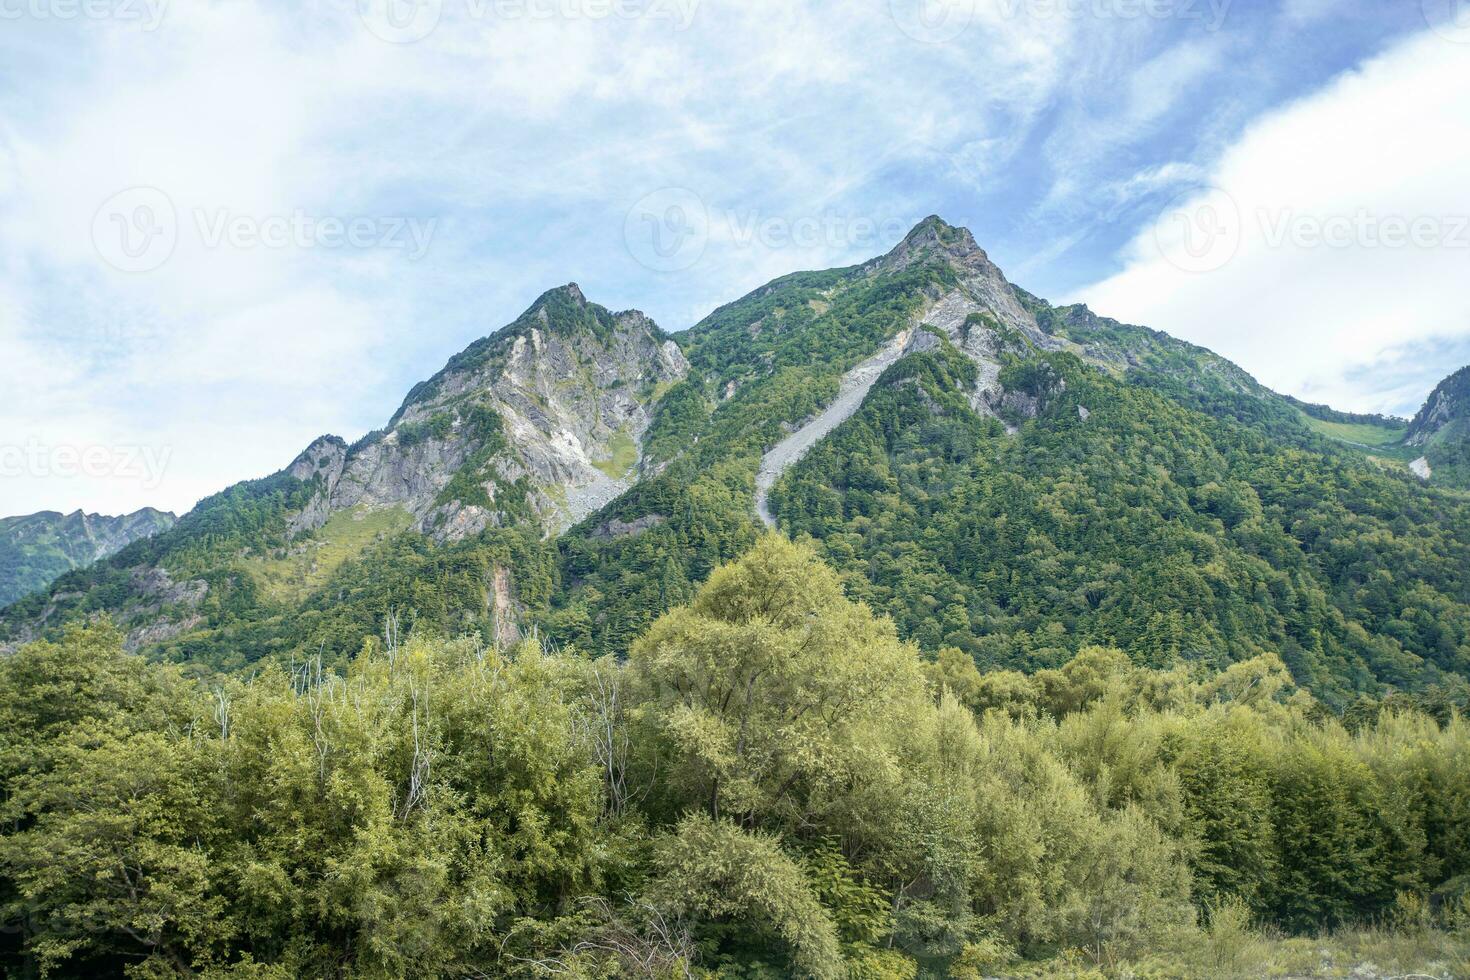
[853, 388]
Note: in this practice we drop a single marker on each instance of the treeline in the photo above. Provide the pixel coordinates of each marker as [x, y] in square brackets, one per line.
[771, 785]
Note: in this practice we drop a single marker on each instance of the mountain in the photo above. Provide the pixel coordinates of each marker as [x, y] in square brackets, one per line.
[37, 548]
[541, 422]
[520, 434]
[1003, 477]
[1441, 432]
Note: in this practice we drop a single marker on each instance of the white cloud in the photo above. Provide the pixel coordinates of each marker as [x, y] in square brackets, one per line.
[1377, 150]
[211, 355]
[1121, 106]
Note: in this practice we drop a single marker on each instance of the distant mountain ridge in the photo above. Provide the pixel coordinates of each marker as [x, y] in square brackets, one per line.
[36, 548]
[1434, 445]
[1000, 475]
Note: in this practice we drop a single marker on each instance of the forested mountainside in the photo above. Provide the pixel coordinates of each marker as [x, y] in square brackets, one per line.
[37, 548]
[1022, 481]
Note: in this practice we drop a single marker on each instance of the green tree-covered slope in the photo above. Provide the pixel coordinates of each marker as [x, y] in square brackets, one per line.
[1118, 516]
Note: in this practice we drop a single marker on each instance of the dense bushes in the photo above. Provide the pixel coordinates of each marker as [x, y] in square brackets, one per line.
[772, 785]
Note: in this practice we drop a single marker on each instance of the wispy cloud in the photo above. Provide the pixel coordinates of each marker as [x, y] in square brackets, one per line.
[1333, 234]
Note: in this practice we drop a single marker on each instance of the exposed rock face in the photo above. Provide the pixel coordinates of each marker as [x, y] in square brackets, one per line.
[1441, 432]
[546, 415]
[324, 457]
[505, 610]
[614, 528]
[160, 631]
[388, 472]
[982, 288]
[166, 609]
[323, 460]
[983, 315]
[1448, 405]
[854, 387]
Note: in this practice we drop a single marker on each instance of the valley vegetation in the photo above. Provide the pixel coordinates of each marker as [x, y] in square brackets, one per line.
[771, 784]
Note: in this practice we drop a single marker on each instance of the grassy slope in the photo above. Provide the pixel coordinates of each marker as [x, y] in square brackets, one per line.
[307, 566]
[1380, 444]
[1358, 434]
[624, 456]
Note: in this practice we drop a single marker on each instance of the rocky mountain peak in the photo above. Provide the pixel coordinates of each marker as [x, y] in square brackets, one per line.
[564, 310]
[934, 230]
[324, 455]
[553, 307]
[540, 421]
[979, 296]
[933, 238]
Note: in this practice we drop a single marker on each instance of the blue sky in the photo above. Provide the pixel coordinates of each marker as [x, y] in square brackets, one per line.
[231, 226]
